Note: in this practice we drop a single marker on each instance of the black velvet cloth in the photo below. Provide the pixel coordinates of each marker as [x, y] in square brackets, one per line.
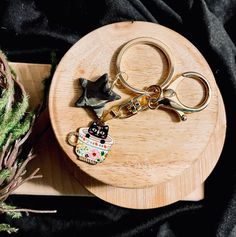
[31, 30]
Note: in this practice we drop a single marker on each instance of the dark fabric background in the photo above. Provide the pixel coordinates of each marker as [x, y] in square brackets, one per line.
[31, 30]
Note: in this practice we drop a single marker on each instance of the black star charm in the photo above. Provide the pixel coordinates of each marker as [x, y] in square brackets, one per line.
[96, 94]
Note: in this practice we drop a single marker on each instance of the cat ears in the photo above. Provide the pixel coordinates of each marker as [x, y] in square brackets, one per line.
[106, 127]
[94, 123]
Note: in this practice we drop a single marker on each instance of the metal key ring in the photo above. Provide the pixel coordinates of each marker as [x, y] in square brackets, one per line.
[148, 41]
[169, 92]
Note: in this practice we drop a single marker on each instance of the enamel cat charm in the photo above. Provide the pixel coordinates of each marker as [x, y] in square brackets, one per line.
[92, 144]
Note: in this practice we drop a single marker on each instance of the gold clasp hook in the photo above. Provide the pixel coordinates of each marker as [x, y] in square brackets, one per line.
[170, 100]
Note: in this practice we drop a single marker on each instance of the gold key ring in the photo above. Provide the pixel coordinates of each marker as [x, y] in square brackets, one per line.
[163, 94]
[149, 41]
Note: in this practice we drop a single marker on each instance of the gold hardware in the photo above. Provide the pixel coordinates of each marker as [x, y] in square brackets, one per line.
[72, 138]
[164, 94]
[127, 109]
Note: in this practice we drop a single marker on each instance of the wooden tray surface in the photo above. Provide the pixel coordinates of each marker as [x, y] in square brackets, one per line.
[152, 148]
[58, 181]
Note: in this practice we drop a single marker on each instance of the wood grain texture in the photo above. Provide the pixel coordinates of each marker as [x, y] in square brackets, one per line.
[152, 149]
[183, 187]
[52, 161]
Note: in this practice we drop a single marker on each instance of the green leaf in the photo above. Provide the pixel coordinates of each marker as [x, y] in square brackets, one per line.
[7, 228]
[13, 118]
[5, 94]
[12, 214]
[4, 174]
[22, 127]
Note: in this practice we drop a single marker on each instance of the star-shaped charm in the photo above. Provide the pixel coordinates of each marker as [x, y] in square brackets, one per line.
[96, 94]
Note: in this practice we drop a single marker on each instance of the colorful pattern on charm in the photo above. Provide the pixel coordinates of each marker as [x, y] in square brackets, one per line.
[92, 144]
[96, 94]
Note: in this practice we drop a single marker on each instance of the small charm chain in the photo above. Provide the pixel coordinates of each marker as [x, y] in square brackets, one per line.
[137, 104]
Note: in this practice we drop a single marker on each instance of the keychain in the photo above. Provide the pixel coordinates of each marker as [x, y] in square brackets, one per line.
[93, 143]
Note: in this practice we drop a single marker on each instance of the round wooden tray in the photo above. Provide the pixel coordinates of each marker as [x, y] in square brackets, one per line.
[152, 150]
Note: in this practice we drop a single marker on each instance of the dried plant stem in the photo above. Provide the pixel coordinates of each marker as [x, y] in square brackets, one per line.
[4, 149]
[2, 210]
[16, 141]
[18, 182]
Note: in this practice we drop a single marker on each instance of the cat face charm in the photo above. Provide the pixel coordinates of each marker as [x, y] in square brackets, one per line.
[98, 131]
[92, 144]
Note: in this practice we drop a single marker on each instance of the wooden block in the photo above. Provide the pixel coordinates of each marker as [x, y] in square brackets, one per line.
[56, 178]
[155, 158]
[184, 186]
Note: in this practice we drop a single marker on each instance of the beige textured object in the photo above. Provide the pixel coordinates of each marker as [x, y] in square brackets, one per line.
[49, 157]
[179, 177]
[56, 178]
[153, 147]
